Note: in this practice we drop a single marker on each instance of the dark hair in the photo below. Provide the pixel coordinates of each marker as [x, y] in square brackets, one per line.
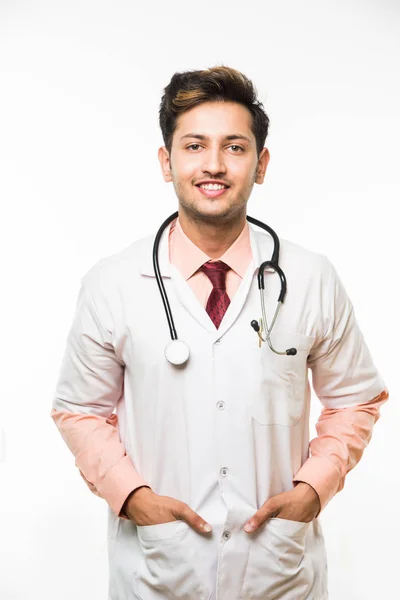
[217, 84]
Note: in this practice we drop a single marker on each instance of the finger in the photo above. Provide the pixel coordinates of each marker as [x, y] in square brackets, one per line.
[269, 509]
[192, 518]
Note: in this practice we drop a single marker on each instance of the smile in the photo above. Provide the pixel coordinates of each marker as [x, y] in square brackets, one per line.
[212, 193]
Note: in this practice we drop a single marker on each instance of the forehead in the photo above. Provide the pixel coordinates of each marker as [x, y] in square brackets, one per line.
[215, 119]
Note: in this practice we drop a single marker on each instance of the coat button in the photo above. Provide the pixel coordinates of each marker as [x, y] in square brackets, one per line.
[224, 471]
[221, 405]
[226, 535]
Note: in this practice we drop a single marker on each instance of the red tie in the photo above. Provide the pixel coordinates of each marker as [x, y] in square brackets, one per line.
[218, 300]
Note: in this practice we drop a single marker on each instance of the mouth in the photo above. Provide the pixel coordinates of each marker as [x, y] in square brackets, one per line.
[212, 193]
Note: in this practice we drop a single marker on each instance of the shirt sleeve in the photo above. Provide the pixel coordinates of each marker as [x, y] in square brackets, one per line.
[350, 389]
[89, 386]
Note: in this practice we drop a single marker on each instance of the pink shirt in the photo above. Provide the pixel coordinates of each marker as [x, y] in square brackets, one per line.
[188, 258]
[342, 434]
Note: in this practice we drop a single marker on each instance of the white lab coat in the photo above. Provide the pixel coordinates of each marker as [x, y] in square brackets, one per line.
[223, 433]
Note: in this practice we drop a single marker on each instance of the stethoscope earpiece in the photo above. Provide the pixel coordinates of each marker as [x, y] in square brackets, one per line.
[255, 325]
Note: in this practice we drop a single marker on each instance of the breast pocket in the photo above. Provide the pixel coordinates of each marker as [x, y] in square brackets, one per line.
[173, 564]
[280, 381]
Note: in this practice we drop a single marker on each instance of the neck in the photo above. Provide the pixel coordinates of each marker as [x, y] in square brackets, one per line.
[212, 238]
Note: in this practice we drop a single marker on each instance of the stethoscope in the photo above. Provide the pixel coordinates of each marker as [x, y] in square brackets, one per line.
[177, 351]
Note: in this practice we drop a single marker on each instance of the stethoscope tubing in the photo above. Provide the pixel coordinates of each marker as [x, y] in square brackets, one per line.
[164, 297]
[272, 263]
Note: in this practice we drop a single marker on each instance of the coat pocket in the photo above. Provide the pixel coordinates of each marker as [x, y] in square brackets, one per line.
[278, 568]
[279, 390]
[173, 563]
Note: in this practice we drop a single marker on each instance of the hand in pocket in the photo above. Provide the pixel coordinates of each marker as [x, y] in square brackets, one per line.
[299, 504]
[145, 507]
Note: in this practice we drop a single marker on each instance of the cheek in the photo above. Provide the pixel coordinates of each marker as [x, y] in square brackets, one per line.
[186, 169]
[242, 172]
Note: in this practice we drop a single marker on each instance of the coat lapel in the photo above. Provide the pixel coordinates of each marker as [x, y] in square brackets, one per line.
[180, 287]
[190, 302]
[261, 247]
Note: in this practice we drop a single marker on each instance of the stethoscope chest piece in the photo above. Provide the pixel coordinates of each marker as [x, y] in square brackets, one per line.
[177, 352]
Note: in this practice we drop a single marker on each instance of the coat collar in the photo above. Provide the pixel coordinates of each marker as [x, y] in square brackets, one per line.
[260, 241]
[146, 260]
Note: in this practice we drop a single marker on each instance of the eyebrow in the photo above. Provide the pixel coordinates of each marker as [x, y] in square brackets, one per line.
[233, 136]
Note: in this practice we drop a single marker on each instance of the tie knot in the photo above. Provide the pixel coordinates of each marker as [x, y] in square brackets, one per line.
[216, 272]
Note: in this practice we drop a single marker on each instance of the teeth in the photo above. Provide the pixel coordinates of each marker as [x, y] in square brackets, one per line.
[213, 186]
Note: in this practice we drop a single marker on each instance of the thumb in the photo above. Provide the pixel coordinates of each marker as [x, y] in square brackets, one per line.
[269, 509]
[185, 513]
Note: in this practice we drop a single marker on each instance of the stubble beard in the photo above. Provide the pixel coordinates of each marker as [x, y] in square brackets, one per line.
[233, 212]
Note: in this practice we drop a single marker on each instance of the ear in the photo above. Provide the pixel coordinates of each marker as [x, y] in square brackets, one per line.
[262, 165]
[164, 159]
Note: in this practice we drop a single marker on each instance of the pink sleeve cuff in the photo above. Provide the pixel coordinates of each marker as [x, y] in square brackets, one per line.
[322, 475]
[100, 456]
[342, 436]
[118, 483]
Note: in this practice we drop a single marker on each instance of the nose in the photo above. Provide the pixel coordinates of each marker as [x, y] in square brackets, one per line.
[213, 161]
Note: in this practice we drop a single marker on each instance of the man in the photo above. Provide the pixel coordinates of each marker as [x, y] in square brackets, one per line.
[213, 486]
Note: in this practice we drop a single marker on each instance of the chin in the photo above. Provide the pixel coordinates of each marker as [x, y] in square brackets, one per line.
[215, 213]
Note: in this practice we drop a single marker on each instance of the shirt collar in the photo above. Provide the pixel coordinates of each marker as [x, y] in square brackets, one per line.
[188, 258]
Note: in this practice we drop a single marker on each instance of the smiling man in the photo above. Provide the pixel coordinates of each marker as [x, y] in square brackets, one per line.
[213, 485]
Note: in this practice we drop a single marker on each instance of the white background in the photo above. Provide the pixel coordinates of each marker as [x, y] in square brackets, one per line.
[80, 87]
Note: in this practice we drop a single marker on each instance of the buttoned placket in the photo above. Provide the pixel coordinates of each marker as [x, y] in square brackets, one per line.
[223, 416]
[225, 455]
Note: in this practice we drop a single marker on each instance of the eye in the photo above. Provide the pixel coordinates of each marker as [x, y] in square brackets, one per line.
[231, 146]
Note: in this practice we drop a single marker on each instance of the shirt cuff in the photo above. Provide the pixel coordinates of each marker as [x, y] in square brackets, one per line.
[118, 483]
[322, 475]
